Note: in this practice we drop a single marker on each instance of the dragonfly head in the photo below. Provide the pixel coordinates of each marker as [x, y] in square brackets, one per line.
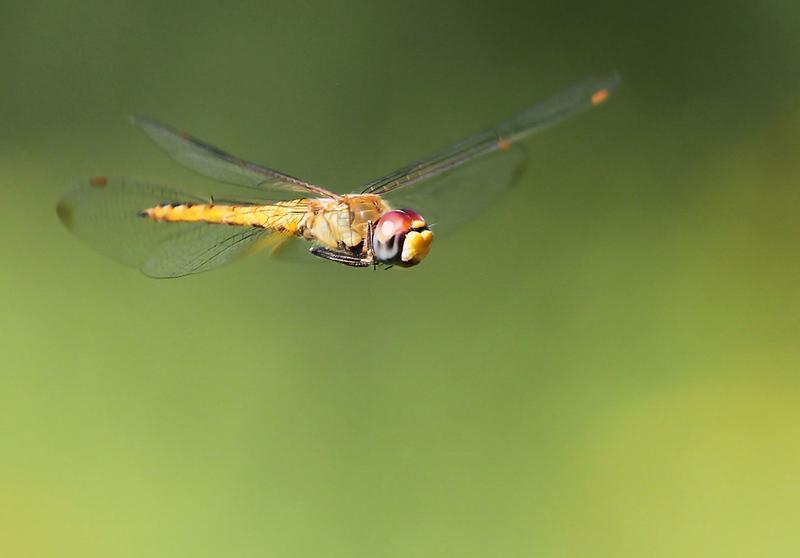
[402, 238]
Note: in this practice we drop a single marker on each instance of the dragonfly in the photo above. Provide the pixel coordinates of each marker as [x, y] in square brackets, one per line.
[171, 233]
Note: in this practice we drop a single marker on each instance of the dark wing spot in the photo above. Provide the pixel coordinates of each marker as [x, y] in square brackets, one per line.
[64, 212]
[98, 181]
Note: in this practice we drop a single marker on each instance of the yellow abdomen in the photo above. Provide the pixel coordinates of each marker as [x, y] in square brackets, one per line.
[283, 216]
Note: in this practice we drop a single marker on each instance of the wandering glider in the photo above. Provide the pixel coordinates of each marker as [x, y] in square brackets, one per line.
[167, 233]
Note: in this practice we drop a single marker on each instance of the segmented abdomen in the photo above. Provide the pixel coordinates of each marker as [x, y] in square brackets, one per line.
[284, 216]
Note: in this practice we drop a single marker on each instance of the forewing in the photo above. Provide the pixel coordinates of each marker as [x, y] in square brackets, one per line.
[450, 199]
[104, 213]
[219, 165]
[501, 137]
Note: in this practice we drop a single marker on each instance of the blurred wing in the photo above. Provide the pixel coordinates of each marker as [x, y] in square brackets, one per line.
[450, 199]
[104, 213]
[291, 249]
[501, 137]
[219, 165]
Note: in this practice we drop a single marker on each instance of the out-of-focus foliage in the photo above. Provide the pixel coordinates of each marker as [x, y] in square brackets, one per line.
[605, 364]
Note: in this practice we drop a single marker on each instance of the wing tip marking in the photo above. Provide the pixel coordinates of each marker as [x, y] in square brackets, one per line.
[600, 96]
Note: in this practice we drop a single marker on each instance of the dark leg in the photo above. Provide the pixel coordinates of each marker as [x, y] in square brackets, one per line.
[368, 244]
[341, 257]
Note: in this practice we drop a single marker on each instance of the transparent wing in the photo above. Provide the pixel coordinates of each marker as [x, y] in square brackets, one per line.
[501, 137]
[450, 199]
[219, 165]
[294, 250]
[104, 213]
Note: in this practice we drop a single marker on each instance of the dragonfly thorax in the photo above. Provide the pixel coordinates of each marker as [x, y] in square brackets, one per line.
[343, 222]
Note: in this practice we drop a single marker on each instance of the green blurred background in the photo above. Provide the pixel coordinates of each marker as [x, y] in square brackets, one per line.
[604, 365]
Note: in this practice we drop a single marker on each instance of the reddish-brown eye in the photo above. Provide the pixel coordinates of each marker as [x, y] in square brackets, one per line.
[417, 220]
[390, 238]
[392, 224]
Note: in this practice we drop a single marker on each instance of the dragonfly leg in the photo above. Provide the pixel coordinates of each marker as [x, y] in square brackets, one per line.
[368, 245]
[341, 257]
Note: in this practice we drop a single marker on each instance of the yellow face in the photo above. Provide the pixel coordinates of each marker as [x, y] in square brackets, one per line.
[416, 246]
[401, 237]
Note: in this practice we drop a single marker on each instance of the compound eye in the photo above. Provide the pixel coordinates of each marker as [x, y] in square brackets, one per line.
[392, 224]
[417, 220]
[401, 238]
[390, 230]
